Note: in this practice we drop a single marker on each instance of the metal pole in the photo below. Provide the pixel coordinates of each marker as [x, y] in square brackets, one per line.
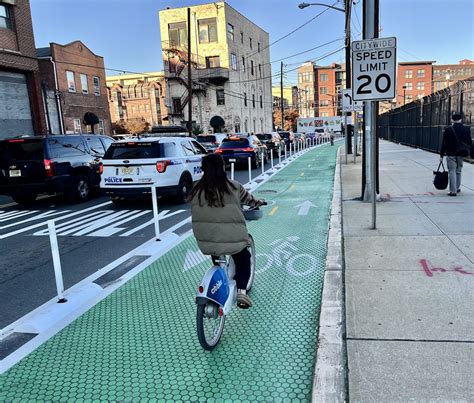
[279, 156]
[271, 159]
[154, 201]
[285, 152]
[232, 170]
[190, 83]
[250, 169]
[281, 98]
[53, 240]
[348, 6]
[356, 133]
[263, 164]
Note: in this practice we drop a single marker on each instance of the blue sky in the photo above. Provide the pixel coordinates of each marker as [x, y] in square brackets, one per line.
[126, 32]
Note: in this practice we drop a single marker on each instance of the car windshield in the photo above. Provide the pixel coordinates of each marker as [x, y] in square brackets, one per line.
[139, 150]
[285, 135]
[235, 142]
[206, 139]
[264, 136]
[21, 149]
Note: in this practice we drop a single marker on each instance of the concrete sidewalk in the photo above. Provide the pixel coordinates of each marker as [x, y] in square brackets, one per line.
[409, 283]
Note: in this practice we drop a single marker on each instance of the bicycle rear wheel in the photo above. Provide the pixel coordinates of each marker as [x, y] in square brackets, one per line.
[210, 325]
[253, 262]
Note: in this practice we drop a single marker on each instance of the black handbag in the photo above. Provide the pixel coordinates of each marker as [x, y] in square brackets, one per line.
[440, 178]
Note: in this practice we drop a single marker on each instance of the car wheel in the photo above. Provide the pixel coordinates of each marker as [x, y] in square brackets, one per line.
[82, 189]
[184, 187]
[25, 198]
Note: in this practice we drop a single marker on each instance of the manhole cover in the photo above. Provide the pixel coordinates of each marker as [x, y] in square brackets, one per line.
[267, 191]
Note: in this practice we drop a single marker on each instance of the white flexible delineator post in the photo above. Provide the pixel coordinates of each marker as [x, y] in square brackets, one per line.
[58, 275]
[250, 169]
[232, 170]
[154, 201]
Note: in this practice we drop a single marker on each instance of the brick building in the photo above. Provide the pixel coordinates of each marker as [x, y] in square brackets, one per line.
[74, 85]
[230, 63]
[21, 110]
[319, 89]
[445, 75]
[414, 81]
[138, 96]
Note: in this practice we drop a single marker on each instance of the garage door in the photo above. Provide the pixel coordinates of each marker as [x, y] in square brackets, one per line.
[15, 113]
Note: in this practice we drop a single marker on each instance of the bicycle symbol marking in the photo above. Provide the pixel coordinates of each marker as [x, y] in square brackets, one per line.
[283, 256]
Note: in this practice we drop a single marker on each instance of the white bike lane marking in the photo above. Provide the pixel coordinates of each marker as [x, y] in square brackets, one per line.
[10, 215]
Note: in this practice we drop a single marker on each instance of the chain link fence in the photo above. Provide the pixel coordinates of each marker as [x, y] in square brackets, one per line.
[421, 123]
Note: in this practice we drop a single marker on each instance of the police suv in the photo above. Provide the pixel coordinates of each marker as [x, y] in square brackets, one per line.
[130, 167]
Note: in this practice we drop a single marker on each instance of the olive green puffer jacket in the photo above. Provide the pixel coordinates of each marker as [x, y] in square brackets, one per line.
[222, 230]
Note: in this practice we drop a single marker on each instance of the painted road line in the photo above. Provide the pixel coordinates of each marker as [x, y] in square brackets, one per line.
[75, 213]
[273, 211]
[292, 188]
[46, 214]
[10, 215]
[161, 216]
[302, 174]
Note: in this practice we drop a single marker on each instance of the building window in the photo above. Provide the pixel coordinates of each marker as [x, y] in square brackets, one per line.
[258, 46]
[207, 30]
[101, 127]
[408, 73]
[250, 42]
[220, 97]
[409, 98]
[420, 73]
[241, 37]
[96, 86]
[324, 102]
[420, 85]
[251, 67]
[300, 78]
[323, 77]
[323, 90]
[71, 84]
[233, 61]
[245, 99]
[177, 33]
[408, 86]
[261, 101]
[324, 114]
[147, 108]
[77, 125]
[243, 63]
[84, 85]
[212, 62]
[260, 70]
[230, 31]
[253, 100]
[5, 17]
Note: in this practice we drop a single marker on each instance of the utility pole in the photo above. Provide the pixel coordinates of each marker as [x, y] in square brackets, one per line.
[369, 173]
[190, 82]
[348, 7]
[281, 98]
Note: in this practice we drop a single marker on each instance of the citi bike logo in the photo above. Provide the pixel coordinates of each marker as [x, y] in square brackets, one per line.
[216, 287]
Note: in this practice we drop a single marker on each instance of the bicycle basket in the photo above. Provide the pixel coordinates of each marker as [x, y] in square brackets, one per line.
[252, 214]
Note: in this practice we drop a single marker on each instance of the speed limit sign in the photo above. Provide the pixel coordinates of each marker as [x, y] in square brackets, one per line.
[373, 69]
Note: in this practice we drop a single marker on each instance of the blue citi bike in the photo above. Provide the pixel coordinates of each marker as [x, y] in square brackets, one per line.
[217, 293]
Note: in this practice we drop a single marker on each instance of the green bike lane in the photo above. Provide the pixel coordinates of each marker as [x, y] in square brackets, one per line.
[140, 342]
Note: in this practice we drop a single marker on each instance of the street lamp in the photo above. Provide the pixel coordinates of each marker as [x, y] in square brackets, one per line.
[404, 91]
[304, 5]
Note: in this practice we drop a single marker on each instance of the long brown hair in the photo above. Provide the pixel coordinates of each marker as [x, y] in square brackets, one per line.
[214, 182]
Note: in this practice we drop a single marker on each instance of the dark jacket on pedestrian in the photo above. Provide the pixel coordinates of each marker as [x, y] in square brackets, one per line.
[222, 230]
[450, 142]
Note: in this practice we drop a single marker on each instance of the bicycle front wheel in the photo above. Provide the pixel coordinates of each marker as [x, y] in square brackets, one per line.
[253, 262]
[210, 325]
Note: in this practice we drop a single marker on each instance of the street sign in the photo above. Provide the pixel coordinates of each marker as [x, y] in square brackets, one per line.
[348, 104]
[373, 69]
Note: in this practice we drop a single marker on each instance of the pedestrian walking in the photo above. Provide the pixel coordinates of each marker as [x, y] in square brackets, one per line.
[332, 137]
[456, 137]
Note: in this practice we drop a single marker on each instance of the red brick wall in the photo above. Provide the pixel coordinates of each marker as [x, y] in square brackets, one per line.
[331, 96]
[414, 92]
[76, 57]
[20, 56]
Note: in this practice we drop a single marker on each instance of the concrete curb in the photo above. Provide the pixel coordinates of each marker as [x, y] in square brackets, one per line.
[330, 374]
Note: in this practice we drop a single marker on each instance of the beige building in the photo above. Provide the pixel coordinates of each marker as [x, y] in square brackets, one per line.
[138, 96]
[231, 72]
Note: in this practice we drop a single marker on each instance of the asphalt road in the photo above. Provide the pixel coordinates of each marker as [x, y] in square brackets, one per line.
[90, 236]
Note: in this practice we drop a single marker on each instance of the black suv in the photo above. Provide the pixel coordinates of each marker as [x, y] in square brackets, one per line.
[54, 164]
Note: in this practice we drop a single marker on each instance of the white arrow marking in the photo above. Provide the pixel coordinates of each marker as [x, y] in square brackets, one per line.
[193, 258]
[304, 207]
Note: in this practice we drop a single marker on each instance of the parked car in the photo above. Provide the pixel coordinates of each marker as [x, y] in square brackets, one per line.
[130, 167]
[299, 137]
[275, 144]
[240, 149]
[287, 137]
[66, 164]
[210, 141]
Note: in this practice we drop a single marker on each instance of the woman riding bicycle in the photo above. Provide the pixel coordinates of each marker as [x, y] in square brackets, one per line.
[218, 222]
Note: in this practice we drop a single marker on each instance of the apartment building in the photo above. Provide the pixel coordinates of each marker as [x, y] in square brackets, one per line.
[287, 96]
[319, 89]
[138, 96]
[230, 68]
[21, 105]
[414, 81]
[75, 91]
[445, 75]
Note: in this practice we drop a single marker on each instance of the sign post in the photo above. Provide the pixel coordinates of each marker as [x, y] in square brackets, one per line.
[373, 79]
